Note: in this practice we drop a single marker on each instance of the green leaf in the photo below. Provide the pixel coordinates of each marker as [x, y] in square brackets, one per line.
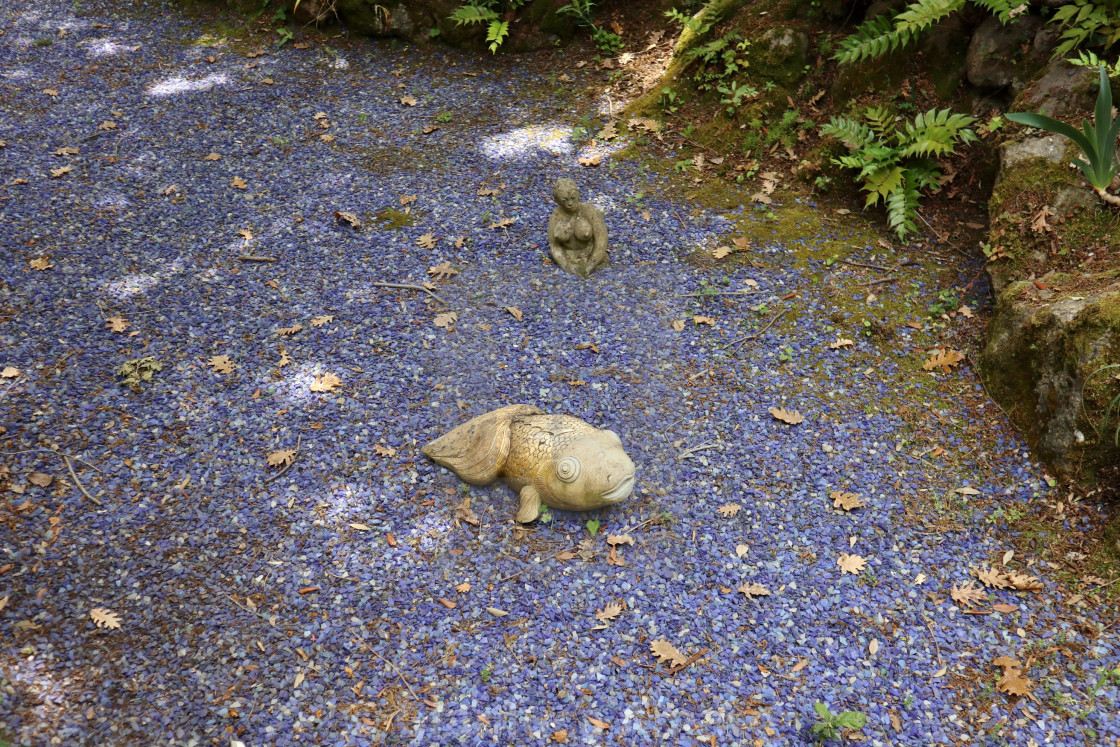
[496, 33]
[472, 14]
[822, 710]
[592, 527]
[851, 720]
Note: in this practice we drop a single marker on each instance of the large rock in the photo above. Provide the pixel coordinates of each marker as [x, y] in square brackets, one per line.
[1059, 90]
[943, 47]
[1039, 362]
[996, 50]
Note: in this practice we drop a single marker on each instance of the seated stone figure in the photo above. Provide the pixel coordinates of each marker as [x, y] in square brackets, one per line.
[577, 233]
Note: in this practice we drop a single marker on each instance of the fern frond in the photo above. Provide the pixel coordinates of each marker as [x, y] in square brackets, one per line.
[882, 183]
[920, 15]
[851, 133]
[880, 119]
[496, 33]
[473, 14]
[1001, 9]
[935, 133]
[902, 208]
[870, 39]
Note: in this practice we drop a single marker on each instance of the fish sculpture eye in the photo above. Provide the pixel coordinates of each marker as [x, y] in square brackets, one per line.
[567, 469]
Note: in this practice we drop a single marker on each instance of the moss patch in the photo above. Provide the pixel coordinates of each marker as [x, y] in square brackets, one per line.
[390, 218]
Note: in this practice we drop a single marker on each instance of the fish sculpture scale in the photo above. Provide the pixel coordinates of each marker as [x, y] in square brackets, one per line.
[555, 460]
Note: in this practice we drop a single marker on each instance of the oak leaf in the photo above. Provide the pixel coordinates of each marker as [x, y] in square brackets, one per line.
[325, 383]
[118, 323]
[38, 478]
[503, 223]
[428, 241]
[42, 263]
[944, 359]
[729, 509]
[1014, 682]
[742, 244]
[319, 321]
[221, 364]
[841, 343]
[754, 590]
[722, 252]
[851, 563]
[560, 736]
[327, 137]
[967, 595]
[464, 512]
[463, 588]
[1023, 582]
[408, 100]
[9, 372]
[793, 417]
[488, 192]
[1039, 222]
[239, 183]
[846, 501]
[698, 320]
[991, 578]
[284, 359]
[349, 218]
[620, 539]
[665, 651]
[677, 325]
[609, 612]
[446, 320]
[281, 458]
[66, 151]
[442, 271]
[405, 199]
[104, 618]
[108, 124]
[55, 173]
[741, 550]
[515, 313]
[383, 450]
[294, 329]
[594, 160]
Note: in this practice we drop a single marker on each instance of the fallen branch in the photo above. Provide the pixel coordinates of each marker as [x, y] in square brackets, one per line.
[251, 258]
[405, 286]
[742, 340]
[862, 264]
[690, 660]
[880, 281]
[70, 466]
[288, 466]
[724, 293]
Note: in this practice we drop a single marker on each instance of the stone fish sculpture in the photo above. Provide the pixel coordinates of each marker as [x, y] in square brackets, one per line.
[577, 233]
[557, 460]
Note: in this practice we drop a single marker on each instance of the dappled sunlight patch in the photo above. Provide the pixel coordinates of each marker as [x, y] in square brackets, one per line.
[141, 282]
[526, 142]
[180, 84]
[107, 48]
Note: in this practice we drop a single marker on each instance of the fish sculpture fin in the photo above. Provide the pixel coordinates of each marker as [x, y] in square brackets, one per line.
[530, 505]
[476, 451]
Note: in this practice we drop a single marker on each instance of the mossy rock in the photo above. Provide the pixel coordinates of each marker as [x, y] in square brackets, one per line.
[1041, 362]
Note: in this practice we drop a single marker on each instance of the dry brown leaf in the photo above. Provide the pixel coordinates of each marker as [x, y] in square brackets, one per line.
[292, 330]
[213, 157]
[108, 124]
[793, 417]
[55, 173]
[698, 320]
[488, 192]
[515, 313]
[851, 563]
[1023, 582]
[503, 223]
[1014, 682]
[239, 183]
[464, 512]
[405, 199]
[598, 723]
[359, 527]
[729, 509]
[327, 137]
[594, 160]
[463, 588]
[620, 539]
[1090, 579]
[319, 321]
[326, 382]
[1039, 222]
[1004, 608]
[66, 151]
[677, 325]
[609, 612]
[665, 651]
[754, 590]
[442, 271]
[408, 100]
[560, 736]
[41, 263]
[281, 458]
[38, 478]
[944, 359]
[9, 372]
[990, 577]
[496, 612]
[846, 501]
[967, 595]
[104, 618]
[349, 218]
[742, 550]
[446, 320]
[428, 241]
[841, 342]
[383, 450]
[722, 252]
[221, 364]
[284, 359]
[118, 323]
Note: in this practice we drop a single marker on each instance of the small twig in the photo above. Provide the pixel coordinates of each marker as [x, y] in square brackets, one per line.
[394, 666]
[690, 660]
[251, 258]
[645, 523]
[880, 281]
[77, 482]
[724, 293]
[702, 447]
[933, 637]
[742, 340]
[299, 440]
[56, 453]
[406, 286]
[862, 264]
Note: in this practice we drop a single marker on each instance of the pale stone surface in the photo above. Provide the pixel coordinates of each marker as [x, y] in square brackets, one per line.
[555, 460]
[577, 233]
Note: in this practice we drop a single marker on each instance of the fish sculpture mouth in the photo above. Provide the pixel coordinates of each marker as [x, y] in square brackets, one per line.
[620, 491]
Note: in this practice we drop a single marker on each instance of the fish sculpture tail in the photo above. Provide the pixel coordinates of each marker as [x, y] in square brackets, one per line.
[478, 449]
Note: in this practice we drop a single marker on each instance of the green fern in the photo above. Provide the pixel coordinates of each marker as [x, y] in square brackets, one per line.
[473, 14]
[895, 164]
[1087, 20]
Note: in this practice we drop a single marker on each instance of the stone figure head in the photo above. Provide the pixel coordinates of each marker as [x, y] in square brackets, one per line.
[566, 194]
